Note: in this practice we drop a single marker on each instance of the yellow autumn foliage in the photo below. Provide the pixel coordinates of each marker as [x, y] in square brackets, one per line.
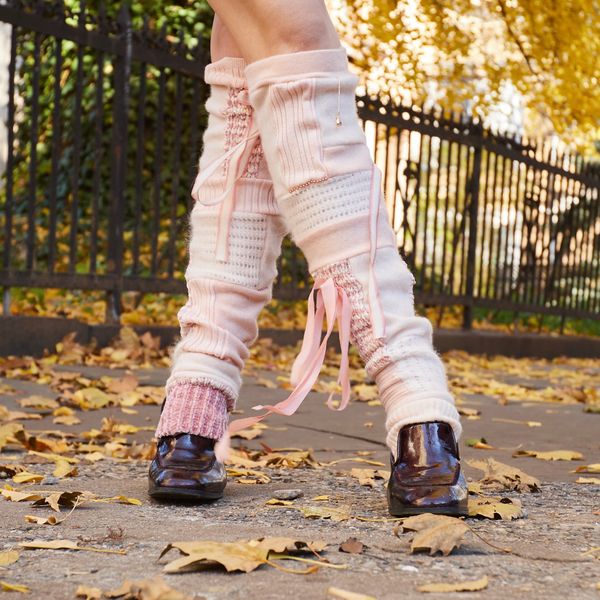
[457, 51]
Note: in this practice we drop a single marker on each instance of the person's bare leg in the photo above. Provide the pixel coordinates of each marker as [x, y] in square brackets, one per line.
[222, 43]
[262, 28]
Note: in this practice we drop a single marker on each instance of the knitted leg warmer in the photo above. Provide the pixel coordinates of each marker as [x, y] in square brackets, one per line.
[236, 234]
[330, 195]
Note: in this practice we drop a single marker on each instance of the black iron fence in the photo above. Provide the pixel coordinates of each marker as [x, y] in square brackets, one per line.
[103, 132]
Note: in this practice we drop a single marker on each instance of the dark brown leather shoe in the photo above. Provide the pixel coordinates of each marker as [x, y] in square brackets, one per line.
[185, 469]
[426, 477]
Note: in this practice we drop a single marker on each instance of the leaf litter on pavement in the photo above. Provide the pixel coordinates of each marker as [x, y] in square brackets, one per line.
[572, 382]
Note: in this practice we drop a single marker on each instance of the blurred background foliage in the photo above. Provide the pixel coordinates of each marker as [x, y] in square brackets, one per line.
[476, 53]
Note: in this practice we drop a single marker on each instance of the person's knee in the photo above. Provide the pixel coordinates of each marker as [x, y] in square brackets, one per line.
[311, 33]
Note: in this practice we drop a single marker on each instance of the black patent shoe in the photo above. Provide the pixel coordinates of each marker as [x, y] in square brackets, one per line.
[426, 477]
[185, 469]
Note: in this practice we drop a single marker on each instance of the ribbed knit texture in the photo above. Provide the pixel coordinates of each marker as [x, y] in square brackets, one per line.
[196, 408]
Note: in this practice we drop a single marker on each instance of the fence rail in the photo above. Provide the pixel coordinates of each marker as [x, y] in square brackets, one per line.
[103, 130]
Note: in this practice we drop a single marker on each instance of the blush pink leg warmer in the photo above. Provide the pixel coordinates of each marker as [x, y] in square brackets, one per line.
[330, 194]
[227, 285]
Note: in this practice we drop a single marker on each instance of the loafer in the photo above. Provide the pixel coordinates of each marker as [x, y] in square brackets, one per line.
[426, 476]
[185, 468]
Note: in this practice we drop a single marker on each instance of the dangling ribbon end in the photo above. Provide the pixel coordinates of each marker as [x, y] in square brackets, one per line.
[223, 447]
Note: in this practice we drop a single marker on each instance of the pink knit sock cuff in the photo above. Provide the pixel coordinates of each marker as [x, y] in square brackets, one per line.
[228, 71]
[195, 408]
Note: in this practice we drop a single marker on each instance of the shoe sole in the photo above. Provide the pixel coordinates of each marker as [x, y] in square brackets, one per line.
[183, 495]
[398, 509]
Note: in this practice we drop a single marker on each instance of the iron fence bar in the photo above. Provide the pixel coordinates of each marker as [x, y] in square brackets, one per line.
[118, 168]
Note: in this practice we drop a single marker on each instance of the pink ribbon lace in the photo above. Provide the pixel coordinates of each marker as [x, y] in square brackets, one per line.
[332, 302]
[238, 156]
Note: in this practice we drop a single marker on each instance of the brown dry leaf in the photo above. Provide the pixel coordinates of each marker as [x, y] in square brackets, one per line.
[64, 469]
[56, 500]
[66, 420]
[123, 500]
[365, 392]
[16, 496]
[50, 545]
[248, 475]
[149, 589]
[500, 476]
[39, 402]
[352, 546]
[8, 557]
[88, 593]
[367, 477]
[234, 556]
[65, 545]
[495, 508]
[242, 555]
[247, 434]
[346, 595]
[462, 586]
[341, 513]
[127, 383]
[470, 413]
[8, 432]
[290, 460]
[27, 477]
[550, 455]
[17, 415]
[435, 533]
[588, 480]
[595, 468]
[51, 520]
[7, 471]
[13, 587]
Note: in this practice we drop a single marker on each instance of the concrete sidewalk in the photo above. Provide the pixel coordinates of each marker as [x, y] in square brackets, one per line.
[561, 522]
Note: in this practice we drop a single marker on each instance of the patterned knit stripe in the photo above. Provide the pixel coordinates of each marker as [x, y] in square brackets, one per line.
[371, 349]
[198, 409]
[298, 135]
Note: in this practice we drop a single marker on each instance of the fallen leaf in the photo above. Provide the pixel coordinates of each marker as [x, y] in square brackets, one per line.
[435, 533]
[64, 469]
[50, 545]
[551, 455]
[499, 476]
[11, 470]
[365, 392]
[462, 586]
[27, 477]
[589, 480]
[51, 520]
[326, 512]
[495, 508]
[346, 595]
[89, 593]
[66, 420]
[242, 555]
[595, 468]
[248, 475]
[367, 477]
[149, 589]
[470, 413]
[8, 557]
[352, 546]
[13, 587]
[277, 502]
[39, 402]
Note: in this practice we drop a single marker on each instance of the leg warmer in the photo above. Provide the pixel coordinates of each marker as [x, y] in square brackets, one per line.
[235, 239]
